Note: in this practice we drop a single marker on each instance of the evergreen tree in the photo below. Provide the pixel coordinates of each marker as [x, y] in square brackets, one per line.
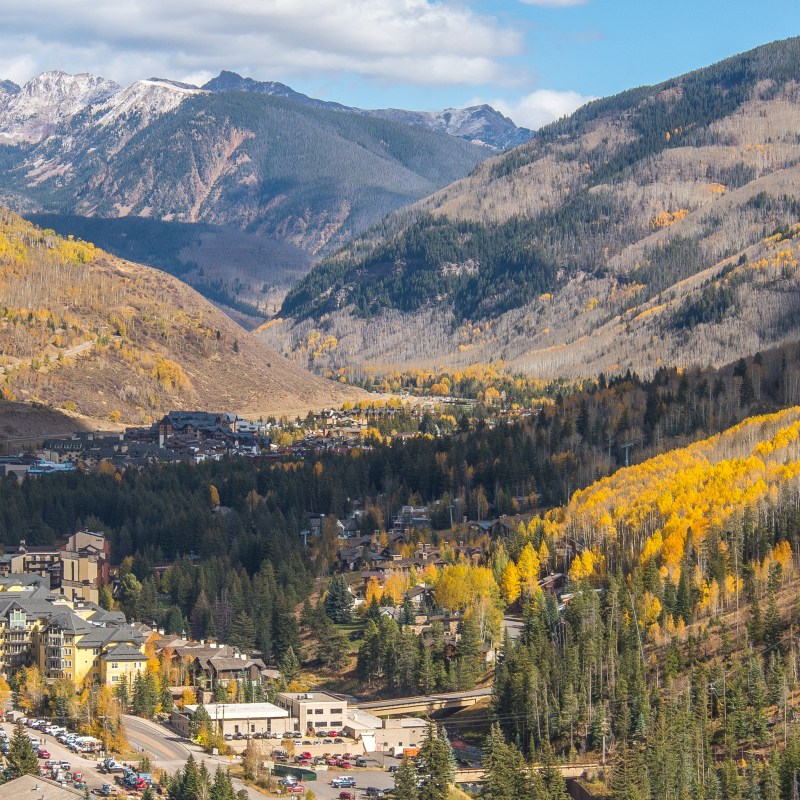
[200, 722]
[468, 653]
[373, 612]
[21, 758]
[289, 666]
[222, 788]
[405, 781]
[145, 695]
[243, 633]
[332, 648]
[338, 600]
[435, 766]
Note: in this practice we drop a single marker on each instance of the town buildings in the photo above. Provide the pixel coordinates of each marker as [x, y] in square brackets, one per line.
[65, 638]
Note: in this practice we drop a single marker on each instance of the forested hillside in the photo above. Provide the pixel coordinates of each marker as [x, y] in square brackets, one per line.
[682, 569]
[654, 227]
[119, 342]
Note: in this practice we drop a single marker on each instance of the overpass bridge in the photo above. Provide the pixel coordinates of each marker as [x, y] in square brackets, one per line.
[477, 775]
[425, 704]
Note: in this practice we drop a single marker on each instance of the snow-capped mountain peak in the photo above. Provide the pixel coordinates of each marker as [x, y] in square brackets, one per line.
[147, 98]
[33, 112]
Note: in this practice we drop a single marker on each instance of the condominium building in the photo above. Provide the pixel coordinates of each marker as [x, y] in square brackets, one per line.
[78, 568]
[64, 638]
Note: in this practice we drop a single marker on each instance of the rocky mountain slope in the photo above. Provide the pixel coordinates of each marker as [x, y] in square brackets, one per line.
[112, 340]
[478, 124]
[266, 161]
[656, 226]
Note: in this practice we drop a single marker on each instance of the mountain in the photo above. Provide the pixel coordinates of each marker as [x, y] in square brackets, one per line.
[33, 112]
[658, 226]
[244, 274]
[232, 82]
[112, 340]
[267, 164]
[478, 124]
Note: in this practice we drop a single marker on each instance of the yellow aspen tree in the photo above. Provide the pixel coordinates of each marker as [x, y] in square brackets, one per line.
[528, 567]
[509, 585]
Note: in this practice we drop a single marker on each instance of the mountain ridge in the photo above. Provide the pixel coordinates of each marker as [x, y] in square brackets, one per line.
[303, 174]
[86, 332]
[623, 235]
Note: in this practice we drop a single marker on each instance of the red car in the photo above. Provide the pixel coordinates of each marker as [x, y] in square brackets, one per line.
[298, 788]
[305, 754]
[42, 753]
[345, 765]
[347, 796]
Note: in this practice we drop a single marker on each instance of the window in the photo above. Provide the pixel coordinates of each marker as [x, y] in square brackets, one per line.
[114, 665]
[336, 711]
[236, 729]
[337, 723]
[114, 678]
[252, 729]
[321, 724]
[319, 710]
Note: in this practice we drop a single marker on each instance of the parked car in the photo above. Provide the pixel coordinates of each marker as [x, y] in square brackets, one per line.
[42, 753]
[347, 796]
[297, 788]
[361, 761]
[373, 791]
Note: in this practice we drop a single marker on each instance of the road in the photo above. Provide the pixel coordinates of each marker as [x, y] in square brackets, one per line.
[168, 750]
[86, 764]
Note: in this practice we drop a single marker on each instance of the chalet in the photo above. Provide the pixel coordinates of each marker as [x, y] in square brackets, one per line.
[496, 528]
[350, 558]
[211, 671]
[552, 584]
[417, 595]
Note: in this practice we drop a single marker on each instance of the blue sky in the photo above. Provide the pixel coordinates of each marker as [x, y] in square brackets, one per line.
[533, 59]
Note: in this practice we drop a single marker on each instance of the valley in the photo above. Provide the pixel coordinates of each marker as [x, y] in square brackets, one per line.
[422, 436]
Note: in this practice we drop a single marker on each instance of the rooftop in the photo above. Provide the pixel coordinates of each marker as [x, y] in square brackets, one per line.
[37, 789]
[229, 711]
[310, 697]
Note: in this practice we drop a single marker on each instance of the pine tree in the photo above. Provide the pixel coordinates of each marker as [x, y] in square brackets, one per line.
[436, 768]
[405, 781]
[243, 633]
[468, 651]
[289, 666]
[332, 648]
[339, 601]
[222, 788]
[21, 758]
[200, 722]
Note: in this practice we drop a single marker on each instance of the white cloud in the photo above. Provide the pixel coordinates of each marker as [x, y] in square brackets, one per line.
[420, 41]
[540, 107]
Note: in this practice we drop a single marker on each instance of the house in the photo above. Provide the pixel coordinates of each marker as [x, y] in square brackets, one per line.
[211, 671]
[417, 595]
[350, 559]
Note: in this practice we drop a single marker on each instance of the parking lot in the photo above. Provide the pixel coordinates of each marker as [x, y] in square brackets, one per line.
[169, 751]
